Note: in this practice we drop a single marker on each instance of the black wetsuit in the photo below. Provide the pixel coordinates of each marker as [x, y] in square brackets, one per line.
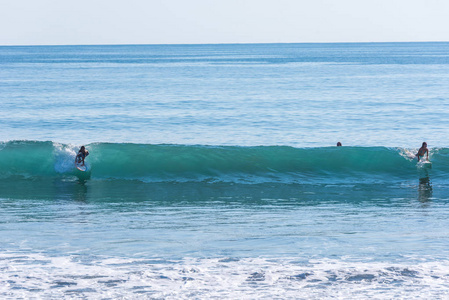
[81, 155]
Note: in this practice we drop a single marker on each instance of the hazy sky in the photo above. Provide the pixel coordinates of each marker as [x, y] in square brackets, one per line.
[44, 22]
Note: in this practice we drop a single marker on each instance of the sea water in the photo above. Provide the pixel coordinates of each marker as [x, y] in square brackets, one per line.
[214, 173]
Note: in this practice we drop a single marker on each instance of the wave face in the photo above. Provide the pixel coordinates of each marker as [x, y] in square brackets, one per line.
[187, 163]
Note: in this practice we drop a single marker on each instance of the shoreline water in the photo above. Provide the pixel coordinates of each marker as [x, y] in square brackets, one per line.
[287, 279]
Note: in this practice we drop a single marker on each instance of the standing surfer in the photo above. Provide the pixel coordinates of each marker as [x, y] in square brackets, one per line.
[423, 150]
[82, 153]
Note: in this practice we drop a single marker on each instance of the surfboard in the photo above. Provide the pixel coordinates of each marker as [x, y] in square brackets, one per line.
[424, 164]
[80, 166]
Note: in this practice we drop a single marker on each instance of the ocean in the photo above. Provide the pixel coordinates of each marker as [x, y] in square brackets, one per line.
[214, 173]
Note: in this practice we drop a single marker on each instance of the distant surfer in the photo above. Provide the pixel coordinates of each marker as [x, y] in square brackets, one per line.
[81, 155]
[423, 150]
[339, 144]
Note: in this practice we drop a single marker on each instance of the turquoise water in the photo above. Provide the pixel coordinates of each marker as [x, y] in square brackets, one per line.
[213, 171]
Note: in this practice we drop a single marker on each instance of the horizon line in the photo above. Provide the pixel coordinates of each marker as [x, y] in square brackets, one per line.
[197, 44]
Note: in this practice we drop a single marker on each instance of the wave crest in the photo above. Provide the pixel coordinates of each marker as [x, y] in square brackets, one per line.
[154, 163]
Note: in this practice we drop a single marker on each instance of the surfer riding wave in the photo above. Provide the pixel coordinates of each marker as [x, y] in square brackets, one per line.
[423, 150]
[82, 154]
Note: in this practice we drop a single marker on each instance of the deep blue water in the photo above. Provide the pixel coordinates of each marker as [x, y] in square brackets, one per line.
[213, 171]
[276, 94]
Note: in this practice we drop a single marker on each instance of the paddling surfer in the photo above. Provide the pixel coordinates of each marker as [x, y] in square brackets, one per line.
[423, 150]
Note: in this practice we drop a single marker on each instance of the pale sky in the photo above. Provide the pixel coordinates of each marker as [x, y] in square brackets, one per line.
[65, 22]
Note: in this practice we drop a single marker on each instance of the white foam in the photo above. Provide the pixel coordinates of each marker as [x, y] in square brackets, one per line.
[65, 157]
[40, 276]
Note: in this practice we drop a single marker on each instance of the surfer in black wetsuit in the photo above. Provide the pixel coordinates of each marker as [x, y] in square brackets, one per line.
[81, 155]
[423, 150]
